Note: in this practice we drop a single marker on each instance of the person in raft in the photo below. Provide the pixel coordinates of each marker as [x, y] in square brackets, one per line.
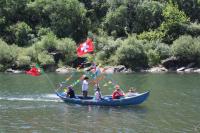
[85, 86]
[70, 92]
[131, 92]
[97, 94]
[118, 93]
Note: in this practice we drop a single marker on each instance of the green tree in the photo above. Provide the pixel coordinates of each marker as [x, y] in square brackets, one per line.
[149, 15]
[115, 21]
[22, 33]
[173, 18]
[66, 18]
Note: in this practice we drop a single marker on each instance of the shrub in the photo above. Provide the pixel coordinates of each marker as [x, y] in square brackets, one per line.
[23, 61]
[186, 47]
[106, 47]
[68, 48]
[6, 56]
[163, 50]
[44, 31]
[132, 54]
[48, 42]
[45, 59]
[153, 57]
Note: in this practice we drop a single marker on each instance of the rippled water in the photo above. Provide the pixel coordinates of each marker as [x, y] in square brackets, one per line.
[29, 105]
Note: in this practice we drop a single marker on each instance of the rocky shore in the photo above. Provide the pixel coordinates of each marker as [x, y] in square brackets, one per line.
[171, 64]
[123, 69]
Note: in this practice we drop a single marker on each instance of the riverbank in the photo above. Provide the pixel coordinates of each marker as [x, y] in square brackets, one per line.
[119, 69]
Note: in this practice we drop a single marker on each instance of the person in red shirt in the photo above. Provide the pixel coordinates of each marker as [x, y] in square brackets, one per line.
[118, 93]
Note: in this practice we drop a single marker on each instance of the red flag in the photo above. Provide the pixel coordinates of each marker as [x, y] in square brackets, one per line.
[33, 71]
[85, 47]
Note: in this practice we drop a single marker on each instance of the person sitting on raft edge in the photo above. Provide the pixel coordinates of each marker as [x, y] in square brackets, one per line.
[70, 92]
[131, 92]
[118, 93]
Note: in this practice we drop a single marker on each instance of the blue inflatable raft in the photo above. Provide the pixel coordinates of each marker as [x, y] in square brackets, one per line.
[106, 100]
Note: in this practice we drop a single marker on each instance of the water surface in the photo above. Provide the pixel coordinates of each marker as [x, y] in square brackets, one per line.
[28, 104]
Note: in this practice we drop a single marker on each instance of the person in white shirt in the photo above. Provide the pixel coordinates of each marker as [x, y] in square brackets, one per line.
[97, 94]
[85, 87]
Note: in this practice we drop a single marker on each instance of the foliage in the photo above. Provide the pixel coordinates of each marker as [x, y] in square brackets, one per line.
[192, 29]
[67, 48]
[106, 48]
[163, 50]
[23, 61]
[41, 31]
[187, 48]
[6, 56]
[173, 17]
[21, 33]
[153, 57]
[149, 15]
[45, 59]
[115, 21]
[132, 54]
[191, 8]
[64, 17]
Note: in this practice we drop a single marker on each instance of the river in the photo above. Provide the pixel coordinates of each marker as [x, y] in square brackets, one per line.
[29, 105]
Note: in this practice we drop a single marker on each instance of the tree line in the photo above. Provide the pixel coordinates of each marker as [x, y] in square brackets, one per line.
[135, 33]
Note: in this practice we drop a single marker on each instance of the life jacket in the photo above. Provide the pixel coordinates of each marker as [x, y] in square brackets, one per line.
[117, 94]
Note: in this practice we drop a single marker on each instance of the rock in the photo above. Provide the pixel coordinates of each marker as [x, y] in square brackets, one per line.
[64, 70]
[108, 69]
[123, 69]
[116, 69]
[197, 70]
[180, 69]
[10, 70]
[188, 70]
[119, 68]
[170, 62]
[157, 70]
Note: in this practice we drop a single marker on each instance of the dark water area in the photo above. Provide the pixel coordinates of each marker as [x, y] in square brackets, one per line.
[29, 105]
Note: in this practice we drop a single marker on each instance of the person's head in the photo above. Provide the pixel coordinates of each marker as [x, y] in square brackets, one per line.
[130, 90]
[70, 88]
[117, 87]
[97, 89]
[86, 78]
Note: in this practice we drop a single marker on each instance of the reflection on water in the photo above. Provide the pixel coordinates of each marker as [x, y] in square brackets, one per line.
[28, 104]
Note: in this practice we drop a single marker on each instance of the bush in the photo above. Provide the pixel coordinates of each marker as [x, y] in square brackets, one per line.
[31, 52]
[163, 50]
[1, 67]
[45, 59]
[132, 54]
[48, 43]
[6, 56]
[187, 48]
[106, 47]
[153, 57]
[68, 49]
[23, 61]
[43, 31]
